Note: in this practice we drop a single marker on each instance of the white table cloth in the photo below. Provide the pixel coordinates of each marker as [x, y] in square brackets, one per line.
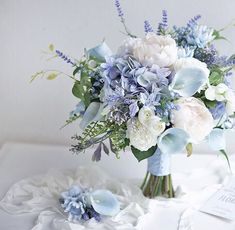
[199, 177]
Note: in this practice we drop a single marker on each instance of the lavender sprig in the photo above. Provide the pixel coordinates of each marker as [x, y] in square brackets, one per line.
[121, 15]
[119, 9]
[163, 25]
[193, 21]
[147, 27]
[65, 58]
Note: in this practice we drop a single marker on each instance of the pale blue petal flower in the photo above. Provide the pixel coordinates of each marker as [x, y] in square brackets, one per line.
[173, 140]
[104, 202]
[216, 139]
[92, 113]
[188, 81]
[100, 52]
[79, 109]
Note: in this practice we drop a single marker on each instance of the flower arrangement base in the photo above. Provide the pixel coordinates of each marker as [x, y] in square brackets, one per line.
[154, 186]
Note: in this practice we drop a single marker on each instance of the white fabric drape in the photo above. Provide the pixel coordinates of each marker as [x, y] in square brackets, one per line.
[39, 194]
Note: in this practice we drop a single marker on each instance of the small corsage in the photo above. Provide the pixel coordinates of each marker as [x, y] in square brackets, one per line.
[83, 204]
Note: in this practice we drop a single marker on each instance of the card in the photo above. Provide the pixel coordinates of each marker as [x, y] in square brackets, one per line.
[222, 203]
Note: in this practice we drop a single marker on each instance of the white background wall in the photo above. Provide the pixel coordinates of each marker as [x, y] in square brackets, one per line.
[35, 112]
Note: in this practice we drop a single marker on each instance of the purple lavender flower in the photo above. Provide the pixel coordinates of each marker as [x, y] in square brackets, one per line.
[193, 21]
[163, 25]
[119, 9]
[207, 55]
[147, 27]
[65, 58]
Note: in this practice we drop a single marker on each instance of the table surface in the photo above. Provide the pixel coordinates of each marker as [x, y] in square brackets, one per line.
[19, 160]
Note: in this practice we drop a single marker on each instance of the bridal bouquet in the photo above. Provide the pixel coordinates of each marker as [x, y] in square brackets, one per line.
[158, 94]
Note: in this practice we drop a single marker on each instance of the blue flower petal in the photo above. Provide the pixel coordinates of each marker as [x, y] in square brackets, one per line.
[216, 139]
[173, 140]
[100, 52]
[188, 81]
[104, 202]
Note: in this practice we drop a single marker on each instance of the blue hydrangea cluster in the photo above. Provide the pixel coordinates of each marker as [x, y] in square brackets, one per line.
[127, 83]
[76, 204]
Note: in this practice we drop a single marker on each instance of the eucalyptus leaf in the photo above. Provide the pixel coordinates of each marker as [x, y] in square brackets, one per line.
[78, 90]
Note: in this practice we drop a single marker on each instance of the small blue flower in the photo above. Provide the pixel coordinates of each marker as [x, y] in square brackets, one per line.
[185, 52]
[200, 36]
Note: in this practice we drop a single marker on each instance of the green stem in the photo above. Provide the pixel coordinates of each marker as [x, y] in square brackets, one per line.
[153, 186]
[145, 179]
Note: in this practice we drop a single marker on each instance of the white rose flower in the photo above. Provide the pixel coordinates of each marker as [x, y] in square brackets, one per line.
[127, 46]
[194, 118]
[156, 126]
[190, 63]
[145, 114]
[139, 135]
[152, 122]
[155, 49]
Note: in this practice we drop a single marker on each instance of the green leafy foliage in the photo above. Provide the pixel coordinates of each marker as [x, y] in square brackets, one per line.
[81, 88]
[118, 138]
[210, 104]
[216, 77]
[218, 36]
[97, 132]
[70, 120]
[141, 155]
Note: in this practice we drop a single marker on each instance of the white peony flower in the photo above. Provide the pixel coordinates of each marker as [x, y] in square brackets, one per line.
[127, 46]
[194, 118]
[190, 63]
[155, 49]
[139, 135]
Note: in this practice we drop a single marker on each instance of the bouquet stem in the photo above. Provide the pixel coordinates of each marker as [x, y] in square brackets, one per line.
[153, 186]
